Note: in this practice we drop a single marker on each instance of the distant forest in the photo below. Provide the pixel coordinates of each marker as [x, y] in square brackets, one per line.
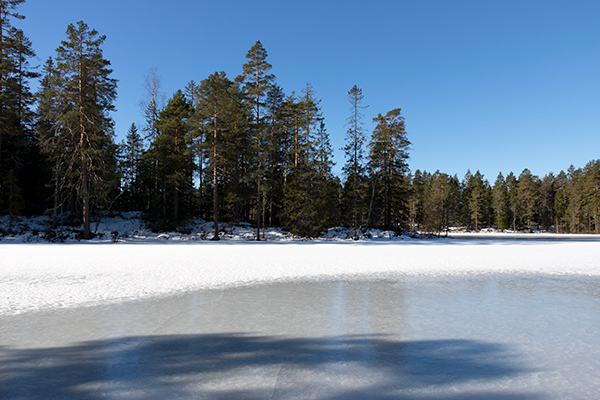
[238, 150]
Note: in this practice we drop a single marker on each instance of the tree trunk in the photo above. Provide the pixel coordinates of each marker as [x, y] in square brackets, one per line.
[215, 199]
[85, 194]
[371, 202]
[87, 234]
[258, 218]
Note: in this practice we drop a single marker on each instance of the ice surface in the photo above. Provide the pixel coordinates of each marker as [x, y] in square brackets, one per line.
[490, 336]
[441, 319]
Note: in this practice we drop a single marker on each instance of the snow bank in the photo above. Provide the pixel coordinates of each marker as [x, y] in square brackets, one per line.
[42, 276]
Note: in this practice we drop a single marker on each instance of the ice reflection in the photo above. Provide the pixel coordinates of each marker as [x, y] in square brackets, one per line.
[485, 336]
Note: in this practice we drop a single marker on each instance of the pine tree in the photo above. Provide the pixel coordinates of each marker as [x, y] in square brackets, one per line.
[215, 108]
[500, 202]
[561, 201]
[18, 148]
[477, 199]
[82, 93]
[7, 70]
[513, 200]
[591, 194]
[354, 151]
[575, 200]
[527, 196]
[257, 81]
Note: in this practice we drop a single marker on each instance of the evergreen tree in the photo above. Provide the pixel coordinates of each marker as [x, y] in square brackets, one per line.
[527, 196]
[276, 151]
[591, 193]
[311, 173]
[354, 153]
[19, 154]
[416, 199]
[442, 201]
[7, 72]
[575, 200]
[257, 81]
[500, 202]
[215, 102]
[388, 152]
[561, 201]
[171, 153]
[131, 158]
[513, 199]
[83, 93]
[477, 199]
[51, 141]
[545, 203]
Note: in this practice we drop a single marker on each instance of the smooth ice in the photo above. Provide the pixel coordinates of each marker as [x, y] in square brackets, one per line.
[486, 336]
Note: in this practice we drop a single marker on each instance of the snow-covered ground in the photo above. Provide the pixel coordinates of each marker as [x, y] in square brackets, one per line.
[42, 276]
[130, 227]
[126, 261]
[489, 317]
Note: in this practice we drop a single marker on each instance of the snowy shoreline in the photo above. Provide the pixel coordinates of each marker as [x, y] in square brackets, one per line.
[48, 276]
[129, 227]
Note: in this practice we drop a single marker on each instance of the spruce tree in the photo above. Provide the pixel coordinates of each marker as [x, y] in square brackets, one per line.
[416, 200]
[310, 176]
[132, 149]
[545, 209]
[388, 153]
[276, 148]
[441, 201]
[171, 155]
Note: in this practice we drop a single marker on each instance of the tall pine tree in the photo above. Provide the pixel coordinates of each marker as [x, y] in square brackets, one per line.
[19, 155]
[215, 107]
[81, 93]
[354, 153]
[257, 81]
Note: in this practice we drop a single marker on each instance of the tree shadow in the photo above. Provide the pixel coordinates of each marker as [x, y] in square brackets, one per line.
[241, 366]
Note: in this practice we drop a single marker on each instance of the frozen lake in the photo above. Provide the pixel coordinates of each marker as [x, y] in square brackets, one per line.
[480, 336]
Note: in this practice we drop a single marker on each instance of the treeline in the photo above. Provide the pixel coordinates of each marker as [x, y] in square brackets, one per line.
[223, 149]
[235, 150]
[568, 202]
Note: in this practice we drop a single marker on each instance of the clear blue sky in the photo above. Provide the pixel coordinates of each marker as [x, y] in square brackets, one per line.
[495, 86]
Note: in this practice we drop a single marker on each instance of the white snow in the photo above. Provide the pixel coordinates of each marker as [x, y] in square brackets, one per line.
[126, 261]
[41, 276]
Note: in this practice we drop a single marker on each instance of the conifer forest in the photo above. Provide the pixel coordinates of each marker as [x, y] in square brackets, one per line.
[238, 149]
